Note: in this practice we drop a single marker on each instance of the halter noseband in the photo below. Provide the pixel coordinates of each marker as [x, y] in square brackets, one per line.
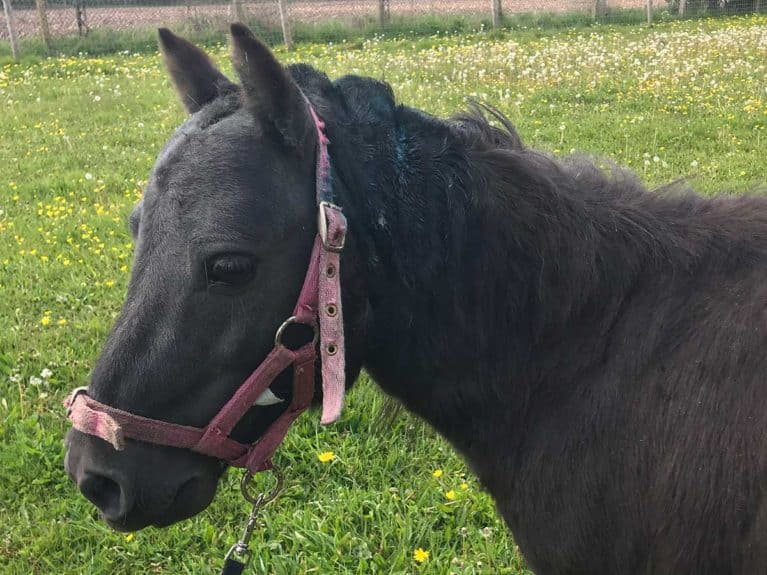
[318, 306]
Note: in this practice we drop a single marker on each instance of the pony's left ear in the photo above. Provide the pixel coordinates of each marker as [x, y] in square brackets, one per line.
[196, 78]
[270, 92]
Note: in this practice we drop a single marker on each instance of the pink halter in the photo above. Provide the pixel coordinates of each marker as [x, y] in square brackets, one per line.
[320, 298]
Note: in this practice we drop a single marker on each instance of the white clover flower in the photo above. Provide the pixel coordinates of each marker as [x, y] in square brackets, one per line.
[46, 373]
[34, 380]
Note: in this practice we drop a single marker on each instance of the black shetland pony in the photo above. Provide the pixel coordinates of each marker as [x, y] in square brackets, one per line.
[595, 351]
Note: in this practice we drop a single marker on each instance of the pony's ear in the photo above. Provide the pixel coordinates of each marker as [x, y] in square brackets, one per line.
[196, 78]
[270, 92]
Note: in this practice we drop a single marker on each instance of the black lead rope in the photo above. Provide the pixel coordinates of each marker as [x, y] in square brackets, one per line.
[232, 567]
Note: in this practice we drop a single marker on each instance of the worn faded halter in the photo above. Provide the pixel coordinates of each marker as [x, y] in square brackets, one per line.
[318, 306]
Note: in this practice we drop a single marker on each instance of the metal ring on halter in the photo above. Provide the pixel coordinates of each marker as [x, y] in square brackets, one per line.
[261, 499]
[294, 320]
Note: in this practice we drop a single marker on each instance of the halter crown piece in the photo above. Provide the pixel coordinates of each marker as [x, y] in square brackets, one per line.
[318, 306]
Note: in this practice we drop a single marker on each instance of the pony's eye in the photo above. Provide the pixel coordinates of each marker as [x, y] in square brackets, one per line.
[229, 270]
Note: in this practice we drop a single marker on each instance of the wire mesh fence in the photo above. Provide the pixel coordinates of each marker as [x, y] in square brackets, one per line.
[49, 19]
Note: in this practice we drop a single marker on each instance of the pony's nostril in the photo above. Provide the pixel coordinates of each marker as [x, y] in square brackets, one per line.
[105, 494]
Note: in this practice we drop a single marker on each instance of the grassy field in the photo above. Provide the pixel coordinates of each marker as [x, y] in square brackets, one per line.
[77, 139]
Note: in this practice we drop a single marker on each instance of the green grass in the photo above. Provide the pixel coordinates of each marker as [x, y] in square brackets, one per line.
[77, 139]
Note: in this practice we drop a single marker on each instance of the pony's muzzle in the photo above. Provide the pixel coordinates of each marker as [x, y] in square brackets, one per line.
[142, 484]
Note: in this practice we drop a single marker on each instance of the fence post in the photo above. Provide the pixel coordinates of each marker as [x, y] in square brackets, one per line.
[287, 35]
[235, 11]
[682, 7]
[10, 20]
[649, 12]
[81, 17]
[600, 9]
[45, 29]
[384, 12]
[495, 7]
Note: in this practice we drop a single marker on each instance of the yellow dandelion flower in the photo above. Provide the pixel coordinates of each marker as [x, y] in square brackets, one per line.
[129, 537]
[464, 486]
[46, 320]
[420, 555]
[62, 321]
[437, 473]
[326, 456]
[450, 495]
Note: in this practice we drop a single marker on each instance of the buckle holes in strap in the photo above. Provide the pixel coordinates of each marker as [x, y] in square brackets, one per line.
[331, 310]
[330, 271]
[332, 349]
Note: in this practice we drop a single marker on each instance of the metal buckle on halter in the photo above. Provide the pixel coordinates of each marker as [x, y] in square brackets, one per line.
[322, 228]
[73, 396]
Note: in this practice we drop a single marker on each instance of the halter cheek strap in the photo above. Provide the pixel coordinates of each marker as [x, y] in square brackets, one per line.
[319, 306]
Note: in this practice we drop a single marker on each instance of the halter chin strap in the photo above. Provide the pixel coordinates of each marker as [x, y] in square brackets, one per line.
[318, 306]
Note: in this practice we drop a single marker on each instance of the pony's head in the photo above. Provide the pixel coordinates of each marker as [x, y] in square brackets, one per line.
[223, 236]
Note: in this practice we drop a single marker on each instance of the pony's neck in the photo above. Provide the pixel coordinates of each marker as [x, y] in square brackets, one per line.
[490, 274]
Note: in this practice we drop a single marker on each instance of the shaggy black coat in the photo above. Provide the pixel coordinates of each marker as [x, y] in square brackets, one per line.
[593, 349]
